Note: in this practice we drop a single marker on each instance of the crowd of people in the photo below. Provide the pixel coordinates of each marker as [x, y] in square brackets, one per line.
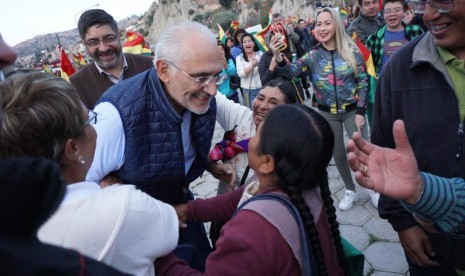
[105, 161]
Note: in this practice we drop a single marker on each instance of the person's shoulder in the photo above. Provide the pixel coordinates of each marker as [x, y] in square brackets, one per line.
[354, 24]
[83, 73]
[133, 194]
[137, 59]
[412, 28]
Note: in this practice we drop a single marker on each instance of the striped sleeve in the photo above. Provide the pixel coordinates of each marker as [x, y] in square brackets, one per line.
[442, 203]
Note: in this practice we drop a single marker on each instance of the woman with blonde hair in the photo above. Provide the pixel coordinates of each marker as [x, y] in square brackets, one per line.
[339, 79]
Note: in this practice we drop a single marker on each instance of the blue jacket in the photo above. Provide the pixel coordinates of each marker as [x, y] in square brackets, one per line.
[154, 154]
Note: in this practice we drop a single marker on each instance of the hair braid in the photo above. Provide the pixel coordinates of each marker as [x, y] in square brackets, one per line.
[292, 182]
[331, 212]
[302, 151]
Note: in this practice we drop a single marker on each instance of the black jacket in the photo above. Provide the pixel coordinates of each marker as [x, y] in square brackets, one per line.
[415, 86]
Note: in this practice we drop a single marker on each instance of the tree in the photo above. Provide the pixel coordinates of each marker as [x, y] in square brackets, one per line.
[226, 3]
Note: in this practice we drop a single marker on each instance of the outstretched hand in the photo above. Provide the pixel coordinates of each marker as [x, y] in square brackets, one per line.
[224, 172]
[392, 172]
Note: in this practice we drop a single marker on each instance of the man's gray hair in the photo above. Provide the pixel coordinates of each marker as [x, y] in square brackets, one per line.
[175, 40]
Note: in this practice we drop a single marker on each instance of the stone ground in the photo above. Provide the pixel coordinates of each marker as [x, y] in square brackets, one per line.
[360, 225]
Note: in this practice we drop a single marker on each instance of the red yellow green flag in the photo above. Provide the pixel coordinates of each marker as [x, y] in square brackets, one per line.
[79, 60]
[221, 34]
[370, 67]
[366, 56]
[234, 25]
[135, 44]
[46, 68]
[66, 67]
[260, 36]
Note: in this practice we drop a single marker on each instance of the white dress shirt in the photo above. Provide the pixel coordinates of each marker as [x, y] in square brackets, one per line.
[110, 147]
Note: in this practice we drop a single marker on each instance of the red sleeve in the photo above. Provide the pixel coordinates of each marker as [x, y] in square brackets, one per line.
[219, 208]
[248, 245]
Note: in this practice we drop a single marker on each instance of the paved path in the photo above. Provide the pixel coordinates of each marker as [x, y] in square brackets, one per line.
[360, 225]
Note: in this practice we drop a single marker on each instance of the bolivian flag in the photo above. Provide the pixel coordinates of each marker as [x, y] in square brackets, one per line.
[221, 34]
[66, 67]
[260, 36]
[234, 25]
[79, 60]
[136, 44]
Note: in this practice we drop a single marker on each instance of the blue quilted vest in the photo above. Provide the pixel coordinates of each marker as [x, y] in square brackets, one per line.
[154, 155]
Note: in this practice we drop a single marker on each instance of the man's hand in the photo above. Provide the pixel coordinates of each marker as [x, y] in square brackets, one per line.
[181, 211]
[392, 172]
[224, 172]
[417, 246]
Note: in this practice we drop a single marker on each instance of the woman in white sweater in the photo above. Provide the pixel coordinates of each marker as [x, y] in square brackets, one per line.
[247, 69]
[244, 122]
[118, 225]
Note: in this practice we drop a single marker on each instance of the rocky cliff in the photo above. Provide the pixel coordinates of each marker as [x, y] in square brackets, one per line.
[248, 12]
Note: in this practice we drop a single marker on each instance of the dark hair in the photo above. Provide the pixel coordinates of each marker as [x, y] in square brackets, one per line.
[302, 147]
[235, 34]
[95, 17]
[404, 4]
[228, 39]
[40, 113]
[255, 48]
[285, 87]
[227, 50]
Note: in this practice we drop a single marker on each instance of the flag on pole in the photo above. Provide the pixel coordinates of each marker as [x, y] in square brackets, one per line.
[221, 34]
[66, 67]
[366, 55]
[270, 17]
[136, 44]
[370, 66]
[78, 59]
[234, 25]
[260, 36]
[46, 68]
[343, 13]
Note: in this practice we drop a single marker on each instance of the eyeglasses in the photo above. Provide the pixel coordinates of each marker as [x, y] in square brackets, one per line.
[106, 40]
[203, 80]
[394, 11]
[442, 6]
[92, 118]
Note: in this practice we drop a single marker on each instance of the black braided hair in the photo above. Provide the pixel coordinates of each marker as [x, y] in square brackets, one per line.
[302, 147]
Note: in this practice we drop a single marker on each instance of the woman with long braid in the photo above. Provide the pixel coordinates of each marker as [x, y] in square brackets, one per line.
[289, 155]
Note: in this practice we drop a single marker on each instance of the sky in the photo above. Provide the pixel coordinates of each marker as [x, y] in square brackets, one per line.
[24, 19]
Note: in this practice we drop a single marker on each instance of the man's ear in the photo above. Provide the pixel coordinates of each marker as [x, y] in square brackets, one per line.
[71, 150]
[162, 71]
[267, 165]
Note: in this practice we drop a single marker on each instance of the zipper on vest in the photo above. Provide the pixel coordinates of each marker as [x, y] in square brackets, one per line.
[458, 155]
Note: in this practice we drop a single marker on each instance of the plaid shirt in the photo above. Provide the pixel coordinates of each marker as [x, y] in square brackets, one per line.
[375, 42]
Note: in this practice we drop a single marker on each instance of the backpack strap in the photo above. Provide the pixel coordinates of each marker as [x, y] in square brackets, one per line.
[275, 208]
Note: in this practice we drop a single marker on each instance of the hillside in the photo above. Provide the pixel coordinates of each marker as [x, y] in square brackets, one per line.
[166, 12]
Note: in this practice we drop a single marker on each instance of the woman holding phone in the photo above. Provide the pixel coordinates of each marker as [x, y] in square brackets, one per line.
[337, 71]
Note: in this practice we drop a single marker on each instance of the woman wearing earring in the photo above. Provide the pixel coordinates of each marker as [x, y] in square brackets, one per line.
[340, 87]
[247, 69]
[44, 117]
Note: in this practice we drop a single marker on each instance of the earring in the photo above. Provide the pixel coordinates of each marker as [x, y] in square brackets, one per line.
[81, 160]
